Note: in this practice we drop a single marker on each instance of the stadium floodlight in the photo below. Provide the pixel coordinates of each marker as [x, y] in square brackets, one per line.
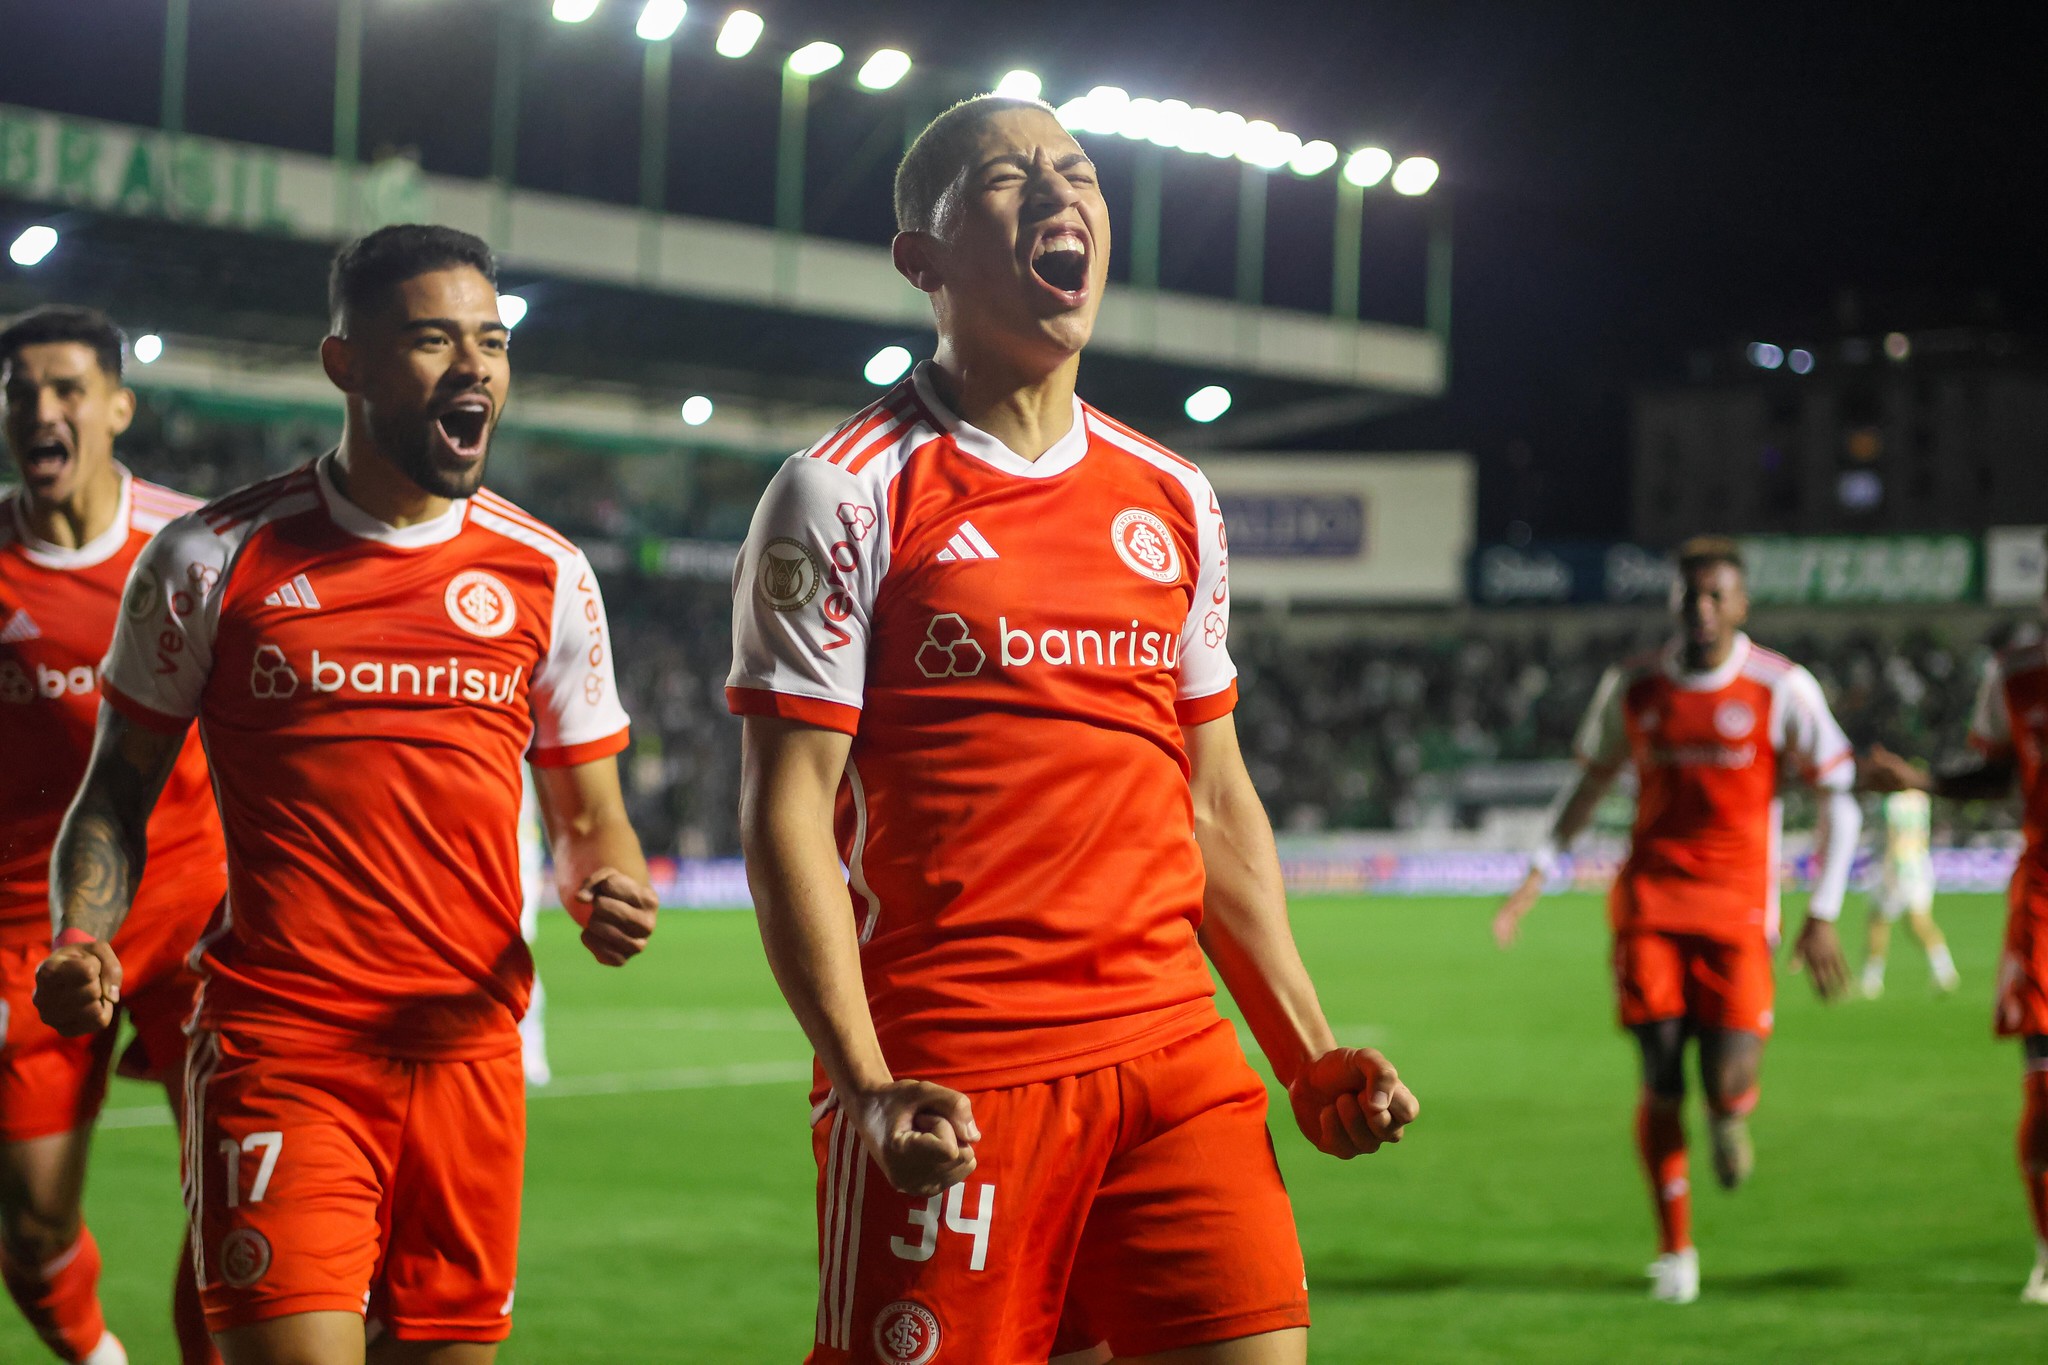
[887, 365]
[1897, 345]
[884, 69]
[1020, 85]
[1368, 166]
[697, 410]
[1800, 360]
[33, 244]
[1209, 403]
[1266, 146]
[1170, 121]
[815, 59]
[1226, 135]
[741, 30]
[148, 347]
[574, 11]
[1136, 118]
[511, 309]
[660, 19]
[1314, 158]
[1765, 356]
[1415, 176]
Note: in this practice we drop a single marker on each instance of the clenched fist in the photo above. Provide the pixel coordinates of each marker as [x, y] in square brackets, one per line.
[78, 988]
[617, 915]
[1350, 1100]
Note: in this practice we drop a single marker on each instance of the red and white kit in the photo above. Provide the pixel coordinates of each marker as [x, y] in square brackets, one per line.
[367, 696]
[1015, 647]
[1695, 909]
[2011, 721]
[58, 606]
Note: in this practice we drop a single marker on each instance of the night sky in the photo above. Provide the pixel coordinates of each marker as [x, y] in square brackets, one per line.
[1633, 182]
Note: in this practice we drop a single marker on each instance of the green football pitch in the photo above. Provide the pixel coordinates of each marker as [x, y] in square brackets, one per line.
[668, 1205]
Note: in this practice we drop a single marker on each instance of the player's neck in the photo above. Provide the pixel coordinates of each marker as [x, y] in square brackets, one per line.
[369, 479]
[1705, 659]
[1027, 410]
[81, 518]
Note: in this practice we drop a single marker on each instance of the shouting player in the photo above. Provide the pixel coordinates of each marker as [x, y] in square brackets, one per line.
[370, 644]
[1907, 889]
[68, 536]
[2009, 730]
[1715, 726]
[979, 647]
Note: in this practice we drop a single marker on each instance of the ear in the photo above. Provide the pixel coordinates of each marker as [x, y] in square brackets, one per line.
[337, 357]
[121, 410]
[917, 259]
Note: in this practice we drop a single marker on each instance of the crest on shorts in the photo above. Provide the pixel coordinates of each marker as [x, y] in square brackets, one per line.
[1143, 542]
[1734, 719]
[244, 1257]
[789, 574]
[480, 603]
[906, 1333]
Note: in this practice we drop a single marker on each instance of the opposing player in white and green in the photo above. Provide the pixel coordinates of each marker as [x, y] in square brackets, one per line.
[1907, 889]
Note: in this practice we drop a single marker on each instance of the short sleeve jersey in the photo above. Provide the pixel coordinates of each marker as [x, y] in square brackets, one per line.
[2011, 722]
[367, 694]
[1711, 752]
[58, 605]
[1908, 829]
[1015, 647]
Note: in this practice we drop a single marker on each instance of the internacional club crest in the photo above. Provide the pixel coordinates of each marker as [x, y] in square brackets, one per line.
[480, 603]
[906, 1333]
[789, 574]
[244, 1257]
[1734, 719]
[1143, 542]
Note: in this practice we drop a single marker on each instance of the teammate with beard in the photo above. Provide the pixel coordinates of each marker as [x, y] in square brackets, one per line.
[68, 536]
[371, 645]
[980, 652]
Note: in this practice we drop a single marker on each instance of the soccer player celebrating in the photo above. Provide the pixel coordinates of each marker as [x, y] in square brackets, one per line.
[980, 650]
[370, 644]
[1714, 725]
[68, 536]
[2008, 729]
[1907, 890]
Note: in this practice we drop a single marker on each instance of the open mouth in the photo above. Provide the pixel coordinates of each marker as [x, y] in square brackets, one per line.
[465, 427]
[1060, 258]
[46, 458]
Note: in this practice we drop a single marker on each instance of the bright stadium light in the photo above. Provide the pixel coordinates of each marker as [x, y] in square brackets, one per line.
[1170, 123]
[660, 19]
[887, 365]
[148, 347]
[574, 11]
[736, 38]
[696, 410]
[1266, 146]
[1137, 118]
[815, 59]
[884, 69]
[1314, 158]
[1226, 135]
[1415, 176]
[1897, 345]
[1765, 356]
[511, 309]
[1020, 85]
[33, 244]
[1207, 404]
[1368, 166]
[1800, 360]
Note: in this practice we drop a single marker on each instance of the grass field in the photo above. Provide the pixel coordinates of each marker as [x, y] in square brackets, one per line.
[669, 1185]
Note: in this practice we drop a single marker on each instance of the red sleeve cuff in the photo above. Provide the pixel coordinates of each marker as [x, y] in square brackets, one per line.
[569, 755]
[1202, 710]
[148, 718]
[826, 715]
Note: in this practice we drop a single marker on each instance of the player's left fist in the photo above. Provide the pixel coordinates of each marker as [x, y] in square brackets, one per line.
[77, 988]
[617, 914]
[1350, 1101]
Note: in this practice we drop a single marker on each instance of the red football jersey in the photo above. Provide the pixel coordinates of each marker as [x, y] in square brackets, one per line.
[1015, 646]
[1710, 751]
[367, 694]
[2011, 721]
[58, 606]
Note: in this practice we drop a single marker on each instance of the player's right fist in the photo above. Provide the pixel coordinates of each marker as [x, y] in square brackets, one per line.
[77, 988]
[921, 1135]
[617, 915]
[1350, 1101]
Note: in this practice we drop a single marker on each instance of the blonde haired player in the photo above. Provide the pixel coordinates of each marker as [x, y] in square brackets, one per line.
[1907, 890]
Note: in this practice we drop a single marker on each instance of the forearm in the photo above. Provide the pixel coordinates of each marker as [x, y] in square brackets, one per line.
[1986, 780]
[1576, 810]
[1834, 850]
[96, 865]
[591, 845]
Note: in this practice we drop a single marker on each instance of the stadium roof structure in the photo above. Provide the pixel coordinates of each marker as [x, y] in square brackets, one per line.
[222, 247]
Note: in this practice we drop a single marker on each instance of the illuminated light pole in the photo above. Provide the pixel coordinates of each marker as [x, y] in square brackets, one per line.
[177, 35]
[812, 59]
[658, 24]
[739, 33]
[1363, 169]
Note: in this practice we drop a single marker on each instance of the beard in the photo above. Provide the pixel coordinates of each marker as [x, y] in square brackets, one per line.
[410, 441]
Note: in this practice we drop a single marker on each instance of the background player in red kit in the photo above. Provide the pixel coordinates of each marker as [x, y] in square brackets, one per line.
[2009, 729]
[68, 536]
[1714, 725]
[980, 650]
[371, 645]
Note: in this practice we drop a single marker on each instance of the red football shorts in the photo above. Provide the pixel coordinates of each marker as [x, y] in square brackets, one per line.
[2023, 967]
[1138, 1205]
[1710, 982]
[346, 1182]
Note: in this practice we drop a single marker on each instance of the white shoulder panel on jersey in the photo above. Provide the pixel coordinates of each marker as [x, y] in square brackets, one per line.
[1805, 731]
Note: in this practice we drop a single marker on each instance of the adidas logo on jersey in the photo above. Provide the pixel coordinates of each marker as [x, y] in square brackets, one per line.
[19, 627]
[297, 593]
[967, 543]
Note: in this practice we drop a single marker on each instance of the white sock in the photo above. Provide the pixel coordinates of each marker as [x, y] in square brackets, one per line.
[1940, 962]
[108, 1352]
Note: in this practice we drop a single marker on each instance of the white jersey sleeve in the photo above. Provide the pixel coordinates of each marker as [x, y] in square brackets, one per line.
[1990, 725]
[1806, 733]
[1206, 673]
[162, 651]
[803, 597]
[1602, 740]
[577, 715]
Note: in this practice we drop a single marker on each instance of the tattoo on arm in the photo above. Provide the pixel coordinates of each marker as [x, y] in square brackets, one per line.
[101, 848]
